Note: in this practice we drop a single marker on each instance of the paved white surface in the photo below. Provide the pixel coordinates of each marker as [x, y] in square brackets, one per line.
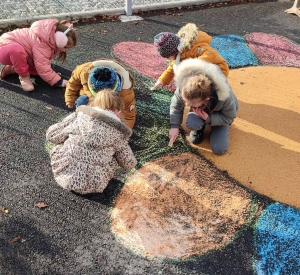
[18, 12]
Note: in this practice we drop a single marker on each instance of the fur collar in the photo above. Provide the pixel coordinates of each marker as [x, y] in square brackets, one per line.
[189, 34]
[193, 66]
[127, 83]
[106, 117]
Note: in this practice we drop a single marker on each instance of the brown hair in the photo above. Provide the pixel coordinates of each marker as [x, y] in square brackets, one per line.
[72, 38]
[107, 99]
[197, 87]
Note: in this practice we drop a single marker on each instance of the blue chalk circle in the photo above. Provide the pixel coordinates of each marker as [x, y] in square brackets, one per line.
[277, 241]
[234, 50]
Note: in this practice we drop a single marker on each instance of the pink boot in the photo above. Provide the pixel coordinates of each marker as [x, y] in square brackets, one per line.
[6, 70]
[26, 83]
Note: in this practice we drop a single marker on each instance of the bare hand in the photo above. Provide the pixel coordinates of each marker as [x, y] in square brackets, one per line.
[201, 113]
[64, 83]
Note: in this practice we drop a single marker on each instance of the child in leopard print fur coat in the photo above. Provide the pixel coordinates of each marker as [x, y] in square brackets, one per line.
[90, 144]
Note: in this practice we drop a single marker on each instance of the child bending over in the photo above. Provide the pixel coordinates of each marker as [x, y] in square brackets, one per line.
[89, 78]
[204, 89]
[90, 144]
[188, 43]
[30, 50]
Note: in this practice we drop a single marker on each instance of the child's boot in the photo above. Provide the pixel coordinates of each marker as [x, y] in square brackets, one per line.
[6, 70]
[196, 136]
[26, 83]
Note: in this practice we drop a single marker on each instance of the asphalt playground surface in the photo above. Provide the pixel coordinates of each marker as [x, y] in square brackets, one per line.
[46, 230]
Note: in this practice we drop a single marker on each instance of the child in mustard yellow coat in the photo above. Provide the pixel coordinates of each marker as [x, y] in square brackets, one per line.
[188, 43]
[90, 78]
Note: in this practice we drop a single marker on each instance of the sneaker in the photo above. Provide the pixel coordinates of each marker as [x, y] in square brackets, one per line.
[6, 70]
[26, 83]
[196, 137]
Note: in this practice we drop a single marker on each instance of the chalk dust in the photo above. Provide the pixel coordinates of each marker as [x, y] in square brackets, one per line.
[177, 206]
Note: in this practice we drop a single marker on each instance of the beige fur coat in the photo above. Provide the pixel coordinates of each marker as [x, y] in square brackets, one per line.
[90, 144]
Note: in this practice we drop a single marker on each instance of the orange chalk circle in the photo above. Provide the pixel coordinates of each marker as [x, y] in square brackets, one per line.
[264, 148]
[178, 206]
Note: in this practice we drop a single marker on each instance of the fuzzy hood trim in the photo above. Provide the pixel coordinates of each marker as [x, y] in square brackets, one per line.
[106, 117]
[189, 34]
[192, 66]
[118, 68]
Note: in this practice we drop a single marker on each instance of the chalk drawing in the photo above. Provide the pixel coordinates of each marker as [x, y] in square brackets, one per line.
[130, 223]
[277, 241]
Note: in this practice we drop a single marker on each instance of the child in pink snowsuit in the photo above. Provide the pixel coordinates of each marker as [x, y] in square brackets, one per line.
[28, 51]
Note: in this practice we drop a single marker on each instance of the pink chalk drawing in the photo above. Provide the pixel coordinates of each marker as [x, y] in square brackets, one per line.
[274, 50]
[143, 58]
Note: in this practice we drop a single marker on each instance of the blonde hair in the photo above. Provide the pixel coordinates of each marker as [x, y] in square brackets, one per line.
[72, 38]
[197, 87]
[107, 99]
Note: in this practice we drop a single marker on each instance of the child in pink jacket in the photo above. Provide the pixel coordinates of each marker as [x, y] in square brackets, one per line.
[30, 50]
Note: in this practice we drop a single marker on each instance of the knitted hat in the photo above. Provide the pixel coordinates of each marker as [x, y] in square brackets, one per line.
[104, 77]
[166, 43]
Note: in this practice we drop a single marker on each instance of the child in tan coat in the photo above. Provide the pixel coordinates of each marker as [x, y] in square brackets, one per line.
[89, 78]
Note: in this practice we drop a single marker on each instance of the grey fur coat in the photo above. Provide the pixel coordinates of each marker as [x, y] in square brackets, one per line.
[227, 106]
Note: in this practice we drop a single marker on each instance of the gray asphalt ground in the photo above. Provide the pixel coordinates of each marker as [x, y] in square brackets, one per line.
[73, 234]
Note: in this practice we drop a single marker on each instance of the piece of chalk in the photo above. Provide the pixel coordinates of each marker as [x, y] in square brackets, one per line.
[152, 88]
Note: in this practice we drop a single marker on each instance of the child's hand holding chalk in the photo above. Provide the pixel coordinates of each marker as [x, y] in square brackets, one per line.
[171, 142]
[158, 84]
[173, 133]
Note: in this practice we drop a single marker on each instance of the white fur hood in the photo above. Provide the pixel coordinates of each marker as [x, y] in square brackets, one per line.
[192, 66]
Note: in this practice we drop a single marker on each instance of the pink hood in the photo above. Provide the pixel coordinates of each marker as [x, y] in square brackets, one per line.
[39, 43]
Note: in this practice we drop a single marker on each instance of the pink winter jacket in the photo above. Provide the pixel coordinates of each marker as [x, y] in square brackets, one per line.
[39, 43]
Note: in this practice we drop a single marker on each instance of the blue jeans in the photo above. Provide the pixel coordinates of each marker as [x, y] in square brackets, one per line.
[82, 100]
[218, 136]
